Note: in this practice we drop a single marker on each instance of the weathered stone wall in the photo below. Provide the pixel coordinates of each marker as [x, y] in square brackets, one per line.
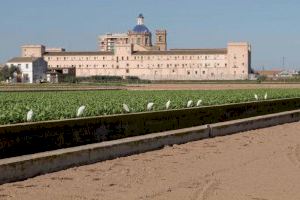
[28, 138]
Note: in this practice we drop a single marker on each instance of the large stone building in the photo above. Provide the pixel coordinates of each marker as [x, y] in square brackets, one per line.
[133, 54]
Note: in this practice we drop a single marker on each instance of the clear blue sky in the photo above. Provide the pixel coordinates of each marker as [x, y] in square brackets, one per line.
[271, 26]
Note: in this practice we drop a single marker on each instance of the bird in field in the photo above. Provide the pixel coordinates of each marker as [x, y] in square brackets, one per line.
[266, 96]
[256, 97]
[150, 106]
[80, 111]
[189, 103]
[168, 104]
[126, 108]
[29, 115]
[199, 102]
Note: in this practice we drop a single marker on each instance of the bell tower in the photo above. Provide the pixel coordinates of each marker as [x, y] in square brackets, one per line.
[161, 40]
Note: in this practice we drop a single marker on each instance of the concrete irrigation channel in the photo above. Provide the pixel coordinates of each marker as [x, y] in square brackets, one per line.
[101, 138]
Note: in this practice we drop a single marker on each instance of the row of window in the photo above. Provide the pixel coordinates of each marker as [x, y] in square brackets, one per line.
[19, 65]
[75, 58]
[153, 65]
[196, 72]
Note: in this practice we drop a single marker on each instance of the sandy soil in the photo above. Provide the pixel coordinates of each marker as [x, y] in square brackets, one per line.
[196, 86]
[256, 165]
[224, 86]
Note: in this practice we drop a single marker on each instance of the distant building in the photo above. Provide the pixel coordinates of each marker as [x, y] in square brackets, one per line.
[271, 74]
[55, 50]
[108, 41]
[32, 68]
[133, 54]
[288, 74]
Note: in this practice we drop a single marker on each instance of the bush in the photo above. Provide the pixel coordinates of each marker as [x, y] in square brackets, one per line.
[261, 78]
[99, 79]
[70, 79]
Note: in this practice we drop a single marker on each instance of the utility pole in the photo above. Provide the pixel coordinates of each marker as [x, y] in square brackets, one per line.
[283, 63]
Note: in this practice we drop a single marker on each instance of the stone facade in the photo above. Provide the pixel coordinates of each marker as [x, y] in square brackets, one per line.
[33, 50]
[230, 63]
[132, 54]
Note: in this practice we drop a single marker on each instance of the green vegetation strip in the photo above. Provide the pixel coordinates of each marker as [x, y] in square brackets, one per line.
[64, 105]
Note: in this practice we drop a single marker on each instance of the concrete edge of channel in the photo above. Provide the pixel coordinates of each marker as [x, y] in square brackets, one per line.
[27, 166]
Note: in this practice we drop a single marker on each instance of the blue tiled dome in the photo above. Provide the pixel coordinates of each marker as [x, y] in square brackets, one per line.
[140, 29]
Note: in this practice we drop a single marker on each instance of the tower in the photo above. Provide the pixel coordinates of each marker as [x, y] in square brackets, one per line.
[140, 19]
[161, 40]
[140, 35]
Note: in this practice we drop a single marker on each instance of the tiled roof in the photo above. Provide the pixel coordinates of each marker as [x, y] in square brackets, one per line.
[79, 53]
[268, 72]
[183, 52]
[22, 59]
[140, 29]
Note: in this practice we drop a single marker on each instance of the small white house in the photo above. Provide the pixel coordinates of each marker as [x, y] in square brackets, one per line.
[32, 69]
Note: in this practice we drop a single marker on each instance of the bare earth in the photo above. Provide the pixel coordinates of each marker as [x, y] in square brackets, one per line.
[256, 165]
[177, 86]
[202, 86]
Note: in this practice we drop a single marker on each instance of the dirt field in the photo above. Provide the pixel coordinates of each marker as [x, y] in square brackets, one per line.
[257, 165]
[196, 86]
[224, 86]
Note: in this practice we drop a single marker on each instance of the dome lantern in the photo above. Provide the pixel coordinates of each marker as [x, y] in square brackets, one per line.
[140, 19]
[140, 27]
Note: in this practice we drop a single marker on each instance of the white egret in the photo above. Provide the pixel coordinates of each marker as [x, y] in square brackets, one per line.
[266, 96]
[29, 115]
[150, 106]
[126, 108]
[80, 111]
[199, 102]
[189, 103]
[168, 104]
[256, 97]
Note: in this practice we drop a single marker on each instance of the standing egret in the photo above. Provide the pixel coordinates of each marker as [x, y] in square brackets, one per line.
[80, 111]
[126, 108]
[256, 97]
[266, 96]
[29, 115]
[189, 103]
[150, 106]
[199, 102]
[168, 104]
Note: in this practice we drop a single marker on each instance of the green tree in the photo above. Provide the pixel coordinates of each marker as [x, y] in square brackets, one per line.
[6, 72]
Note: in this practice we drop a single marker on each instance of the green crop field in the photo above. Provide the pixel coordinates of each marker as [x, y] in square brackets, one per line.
[14, 106]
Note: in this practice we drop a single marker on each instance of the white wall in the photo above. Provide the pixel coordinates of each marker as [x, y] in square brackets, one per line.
[26, 69]
[33, 70]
